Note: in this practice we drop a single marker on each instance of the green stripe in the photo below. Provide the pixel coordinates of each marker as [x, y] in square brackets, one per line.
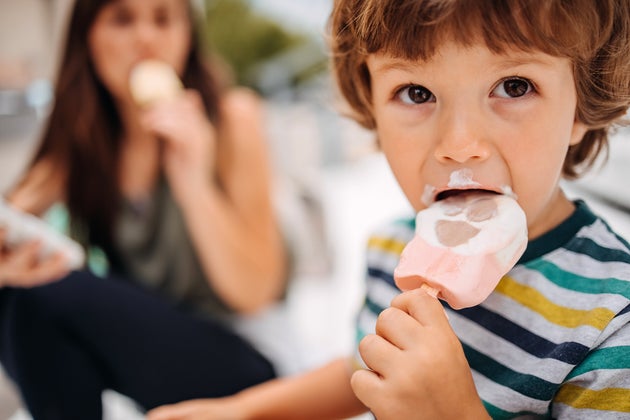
[600, 253]
[606, 358]
[499, 414]
[528, 385]
[373, 307]
[410, 222]
[577, 283]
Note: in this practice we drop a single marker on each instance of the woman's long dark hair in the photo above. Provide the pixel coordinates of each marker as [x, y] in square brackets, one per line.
[84, 131]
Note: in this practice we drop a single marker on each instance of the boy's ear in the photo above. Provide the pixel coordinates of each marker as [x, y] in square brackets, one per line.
[578, 131]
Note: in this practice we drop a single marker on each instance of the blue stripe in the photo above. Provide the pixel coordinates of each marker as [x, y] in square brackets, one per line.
[568, 352]
[382, 275]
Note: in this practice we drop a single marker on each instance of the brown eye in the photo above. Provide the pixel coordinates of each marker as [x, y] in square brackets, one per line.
[415, 94]
[513, 88]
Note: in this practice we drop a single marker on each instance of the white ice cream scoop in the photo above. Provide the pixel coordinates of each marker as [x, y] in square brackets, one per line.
[153, 80]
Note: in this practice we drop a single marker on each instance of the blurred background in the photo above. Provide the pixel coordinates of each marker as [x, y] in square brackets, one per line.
[333, 186]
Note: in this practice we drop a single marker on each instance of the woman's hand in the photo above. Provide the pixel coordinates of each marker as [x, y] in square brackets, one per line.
[202, 409]
[418, 367]
[189, 142]
[22, 266]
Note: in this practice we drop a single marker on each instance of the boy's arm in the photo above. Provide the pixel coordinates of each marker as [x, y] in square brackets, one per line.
[317, 394]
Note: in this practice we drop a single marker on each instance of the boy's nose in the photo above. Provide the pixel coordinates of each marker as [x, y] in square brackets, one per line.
[461, 138]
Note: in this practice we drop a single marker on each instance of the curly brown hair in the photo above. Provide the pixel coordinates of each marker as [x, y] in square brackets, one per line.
[593, 34]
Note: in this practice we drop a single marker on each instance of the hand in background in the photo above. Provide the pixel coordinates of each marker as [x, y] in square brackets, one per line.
[21, 266]
[201, 409]
[418, 367]
[189, 141]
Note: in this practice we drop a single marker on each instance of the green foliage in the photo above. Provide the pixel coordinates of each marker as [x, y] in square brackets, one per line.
[244, 38]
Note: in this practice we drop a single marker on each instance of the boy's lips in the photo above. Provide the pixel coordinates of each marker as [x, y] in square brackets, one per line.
[441, 195]
[459, 182]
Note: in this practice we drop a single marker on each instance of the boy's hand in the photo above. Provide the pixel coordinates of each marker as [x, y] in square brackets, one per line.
[418, 367]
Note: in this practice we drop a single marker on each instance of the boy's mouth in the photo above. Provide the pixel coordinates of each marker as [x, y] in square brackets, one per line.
[457, 192]
[462, 181]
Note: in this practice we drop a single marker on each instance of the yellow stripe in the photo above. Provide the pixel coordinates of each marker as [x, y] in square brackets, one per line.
[610, 399]
[560, 315]
[386, 244]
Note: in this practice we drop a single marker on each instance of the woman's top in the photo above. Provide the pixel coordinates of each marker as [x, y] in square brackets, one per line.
[154, 249]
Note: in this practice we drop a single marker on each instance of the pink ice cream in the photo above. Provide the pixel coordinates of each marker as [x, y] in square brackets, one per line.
[463, 245]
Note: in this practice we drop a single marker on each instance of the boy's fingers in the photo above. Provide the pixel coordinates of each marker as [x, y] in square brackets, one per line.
[377, 352]
[424, 308]
[397, 327]
[365, 383]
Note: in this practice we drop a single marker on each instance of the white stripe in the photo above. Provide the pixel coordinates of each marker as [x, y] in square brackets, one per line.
[539, 325]
[380, 292]
[599, 233]
[565, 297]
[586, 266]
[506, 353]
[385, 261]
[367, 322]
[506, 398]
[599, 379]
[398, 231]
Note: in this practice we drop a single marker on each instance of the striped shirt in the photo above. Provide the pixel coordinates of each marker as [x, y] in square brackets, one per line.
[553, 339]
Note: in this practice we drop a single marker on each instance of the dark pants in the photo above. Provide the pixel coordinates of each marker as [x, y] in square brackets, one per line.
[64, 343]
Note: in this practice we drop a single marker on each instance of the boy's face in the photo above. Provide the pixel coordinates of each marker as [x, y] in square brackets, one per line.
[469, 118]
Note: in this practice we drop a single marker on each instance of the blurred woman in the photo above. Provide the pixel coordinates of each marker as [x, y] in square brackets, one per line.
[177, 196]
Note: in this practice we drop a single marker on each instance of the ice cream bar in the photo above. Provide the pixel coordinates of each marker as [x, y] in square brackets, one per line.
[153, 80]
[462, 247]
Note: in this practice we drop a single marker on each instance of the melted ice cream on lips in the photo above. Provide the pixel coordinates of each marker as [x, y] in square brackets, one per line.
[465, 241]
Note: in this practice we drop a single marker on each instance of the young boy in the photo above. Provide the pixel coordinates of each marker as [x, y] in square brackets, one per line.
[519, 93]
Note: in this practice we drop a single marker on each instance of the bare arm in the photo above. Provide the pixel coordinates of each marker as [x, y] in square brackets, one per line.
[39, 188]
[232, 222]
[323, 393]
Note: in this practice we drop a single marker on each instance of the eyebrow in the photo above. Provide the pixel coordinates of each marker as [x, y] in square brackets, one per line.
[395, 65]
[516, 60]
[522, 61]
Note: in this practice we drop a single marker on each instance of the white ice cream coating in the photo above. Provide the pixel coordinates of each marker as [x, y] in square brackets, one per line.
[465, 242]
